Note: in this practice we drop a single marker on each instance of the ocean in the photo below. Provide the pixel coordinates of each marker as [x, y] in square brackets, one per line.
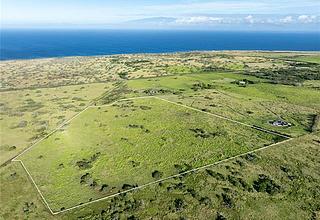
[30, 44]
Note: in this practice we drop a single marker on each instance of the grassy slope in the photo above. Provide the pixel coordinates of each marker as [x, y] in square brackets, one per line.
[129, 155]
[255, 104]
[311, 59]
[18, 197]
[229, 189]
[292, 166]
[298, 199]
[27, 115]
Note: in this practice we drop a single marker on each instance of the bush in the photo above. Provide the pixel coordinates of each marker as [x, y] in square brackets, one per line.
[182, 168]
[128, 186]
[216, 175]
[205, 200]
[192, 192]
[103, 187]
[157, 174]
[220, 216]
[227, 201]
[265, 184]
[178, 204]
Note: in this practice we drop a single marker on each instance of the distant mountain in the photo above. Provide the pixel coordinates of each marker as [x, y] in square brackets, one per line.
[153, 20]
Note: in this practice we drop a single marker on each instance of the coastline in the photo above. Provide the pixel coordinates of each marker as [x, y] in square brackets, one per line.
[302, 52]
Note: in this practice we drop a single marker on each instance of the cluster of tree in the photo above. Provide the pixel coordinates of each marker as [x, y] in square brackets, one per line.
[288, 76]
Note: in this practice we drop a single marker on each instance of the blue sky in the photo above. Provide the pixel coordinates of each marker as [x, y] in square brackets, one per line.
[173, 14]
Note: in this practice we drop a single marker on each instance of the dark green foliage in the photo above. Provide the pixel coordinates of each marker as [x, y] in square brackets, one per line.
[192, 192]
[143, 107]
[251, 157]
[11, 148]
[205, 200]
[216, 175]
[199, 132]
[28, 207]
[227, 201]
[104, 187]
[289, 76]
[87, 163]
[182, 168]
[135, 126]
[201, 85]
[220, 216]
[123, 75]
[265, 184]
[157, 174]
[85, 178]
[315, 123]
[179, 186]
[134, 163]
[234, 181]
[178, 204]
[139, 126]
[159, 91]
[132, 217]
[30, 106]
[128, 186]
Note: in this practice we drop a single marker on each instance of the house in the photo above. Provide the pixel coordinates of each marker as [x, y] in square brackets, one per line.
[280, 123]
[242, 83]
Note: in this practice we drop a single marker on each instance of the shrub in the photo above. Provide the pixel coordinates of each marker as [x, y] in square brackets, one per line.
[182, 168]
[87, 163]
[216, 175]
[128, 186]
[205, 200]
[220, 216]
[132, 217]
[265, 184]
[227, 201]
[123, 75]
[85, 178]
[178, 204]
[251, 157]
[157, 174]
[201, 85]
[192, 192]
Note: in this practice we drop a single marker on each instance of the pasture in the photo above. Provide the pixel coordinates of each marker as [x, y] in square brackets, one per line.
[114, 148]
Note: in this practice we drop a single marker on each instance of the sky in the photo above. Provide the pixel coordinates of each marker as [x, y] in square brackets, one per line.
[162, 14]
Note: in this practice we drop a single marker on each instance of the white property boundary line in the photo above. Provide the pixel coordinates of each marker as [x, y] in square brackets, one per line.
[15, 159]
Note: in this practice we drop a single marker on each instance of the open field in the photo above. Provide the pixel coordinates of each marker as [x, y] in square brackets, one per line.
[311, 59]
[256, 104]
[123, 144]
[130, 143]
[29, 115]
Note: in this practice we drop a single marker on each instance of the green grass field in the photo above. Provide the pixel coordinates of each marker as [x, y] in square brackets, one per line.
[30, 114]
[130, 143]
[256, 104]
[117, 145]
[310, 58]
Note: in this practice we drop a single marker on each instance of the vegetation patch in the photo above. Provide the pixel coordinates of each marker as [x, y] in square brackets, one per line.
[131, 157]
[266, 184]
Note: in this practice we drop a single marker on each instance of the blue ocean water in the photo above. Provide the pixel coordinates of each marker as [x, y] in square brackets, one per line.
[27, 44]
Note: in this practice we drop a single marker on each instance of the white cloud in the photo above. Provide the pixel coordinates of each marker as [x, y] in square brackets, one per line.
[199, 20]
[307, 18]
[249, 19]
[286, 20]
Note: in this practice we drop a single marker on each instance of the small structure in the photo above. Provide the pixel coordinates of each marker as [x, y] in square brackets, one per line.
[242, 83]
[280, 123]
